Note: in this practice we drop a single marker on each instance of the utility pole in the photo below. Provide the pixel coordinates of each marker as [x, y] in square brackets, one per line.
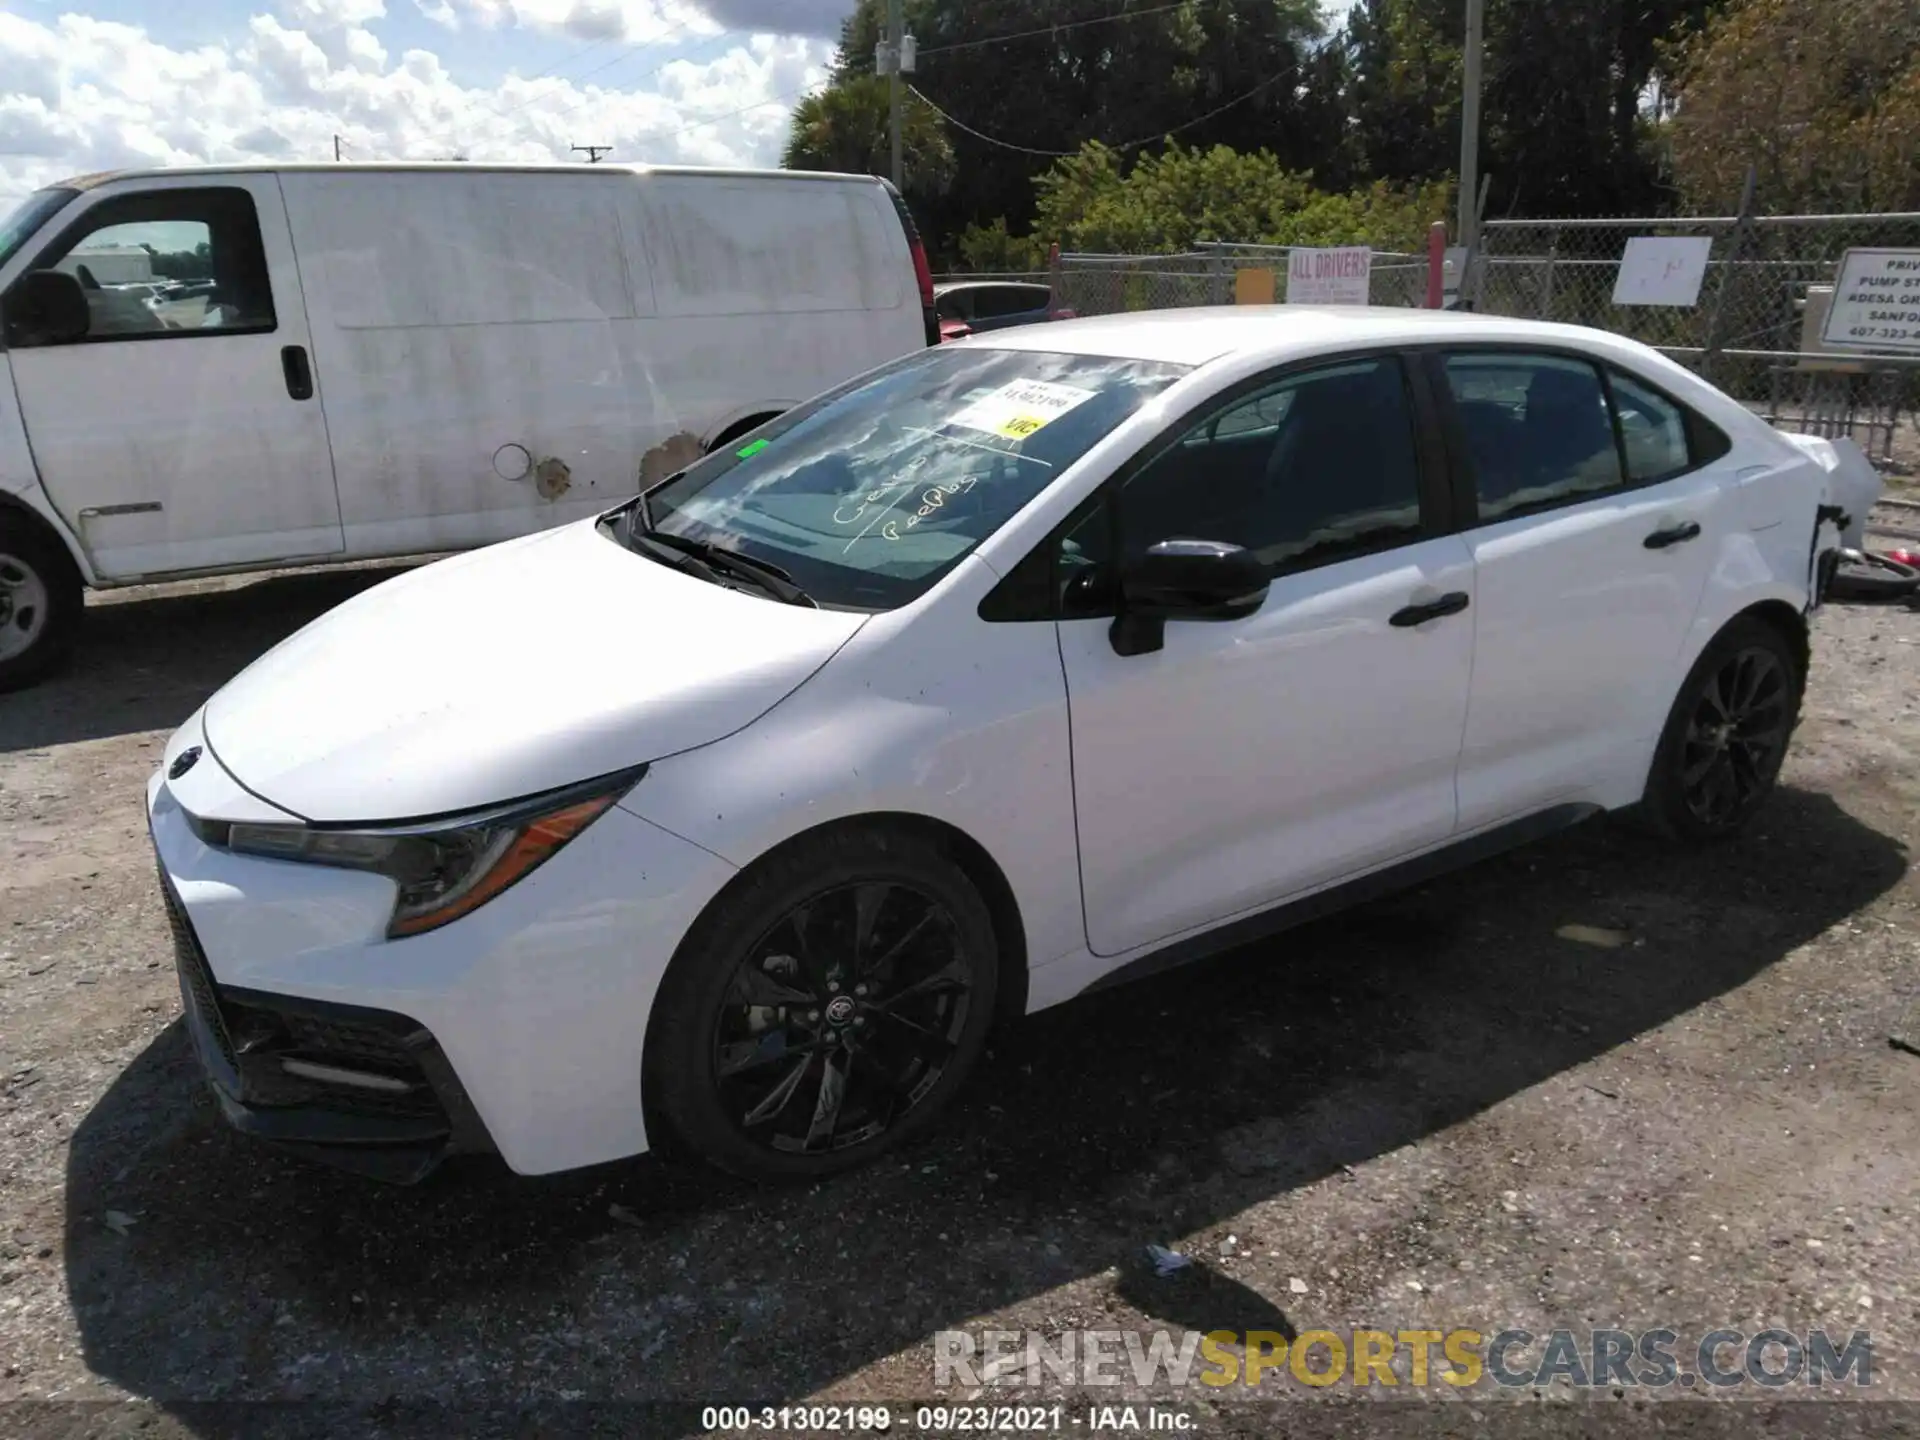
[594, 152]
[896, 26]
[1470, 124]
[336, 149]
[893, 57]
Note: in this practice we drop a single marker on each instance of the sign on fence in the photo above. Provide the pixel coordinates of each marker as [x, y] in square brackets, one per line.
[1253, 285]
[1663, 270]
[1340, 276]
[1876, 301]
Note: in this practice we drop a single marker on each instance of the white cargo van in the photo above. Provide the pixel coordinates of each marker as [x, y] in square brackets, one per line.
[364, 360]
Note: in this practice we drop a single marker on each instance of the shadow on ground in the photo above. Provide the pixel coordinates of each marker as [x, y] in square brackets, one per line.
[147, 661]
[1135, 1115]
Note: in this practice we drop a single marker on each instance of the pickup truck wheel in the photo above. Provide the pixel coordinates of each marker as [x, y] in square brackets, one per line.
[40, 602]
[1727, 735]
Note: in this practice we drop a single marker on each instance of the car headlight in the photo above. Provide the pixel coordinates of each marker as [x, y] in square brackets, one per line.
[446, 868]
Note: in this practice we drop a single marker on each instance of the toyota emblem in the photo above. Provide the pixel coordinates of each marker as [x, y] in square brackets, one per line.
[183, 762]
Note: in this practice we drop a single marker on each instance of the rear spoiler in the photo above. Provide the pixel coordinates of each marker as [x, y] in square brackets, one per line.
[922, 271]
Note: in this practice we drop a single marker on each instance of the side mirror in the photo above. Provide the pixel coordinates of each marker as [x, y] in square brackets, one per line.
[47, 307]
[1184, 580]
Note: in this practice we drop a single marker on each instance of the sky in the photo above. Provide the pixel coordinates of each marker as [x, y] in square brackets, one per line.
[96, 84]
[90, 85]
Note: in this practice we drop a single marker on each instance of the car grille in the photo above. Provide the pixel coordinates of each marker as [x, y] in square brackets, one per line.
[192, 965]
[255, 1033]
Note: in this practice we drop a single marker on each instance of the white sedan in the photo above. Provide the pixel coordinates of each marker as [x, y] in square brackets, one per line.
[1008, 670]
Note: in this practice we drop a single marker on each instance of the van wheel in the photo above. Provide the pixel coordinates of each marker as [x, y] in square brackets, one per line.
[40, 602]
[825, 1008]
[1726, 737]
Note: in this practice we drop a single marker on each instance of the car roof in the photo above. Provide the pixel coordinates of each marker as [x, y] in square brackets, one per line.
[1198, 335]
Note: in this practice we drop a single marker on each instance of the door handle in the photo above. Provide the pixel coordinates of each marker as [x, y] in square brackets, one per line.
[1673, 535]
[1451, 604]
[293, 365]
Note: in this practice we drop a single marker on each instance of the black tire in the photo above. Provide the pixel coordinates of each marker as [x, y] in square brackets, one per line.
[1727, 735]
[40, 602]
[900, 1038]
[1873, 577]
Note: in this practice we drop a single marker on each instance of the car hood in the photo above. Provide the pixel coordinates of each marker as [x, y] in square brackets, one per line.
[505, 672]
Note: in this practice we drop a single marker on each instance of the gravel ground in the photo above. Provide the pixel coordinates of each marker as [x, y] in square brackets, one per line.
[1444, 1110]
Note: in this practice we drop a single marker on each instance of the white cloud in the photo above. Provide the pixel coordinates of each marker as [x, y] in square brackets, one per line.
[332, 14]
[631, 21]
[80, 94]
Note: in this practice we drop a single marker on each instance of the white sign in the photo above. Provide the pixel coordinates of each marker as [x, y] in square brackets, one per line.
[1662, 270]
[1876, 301]
[1020, 407]
[1342, 276]
[1453, 276]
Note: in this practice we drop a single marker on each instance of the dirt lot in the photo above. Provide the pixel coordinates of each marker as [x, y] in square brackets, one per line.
[1439, 1111]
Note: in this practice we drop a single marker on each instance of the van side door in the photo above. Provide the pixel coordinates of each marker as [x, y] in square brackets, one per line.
[183, 430]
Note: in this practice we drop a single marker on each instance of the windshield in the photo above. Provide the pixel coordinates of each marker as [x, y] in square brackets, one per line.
[871, 493]
[28, 216]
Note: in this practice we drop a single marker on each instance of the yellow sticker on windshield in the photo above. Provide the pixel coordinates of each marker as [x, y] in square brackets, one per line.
[1020, 408]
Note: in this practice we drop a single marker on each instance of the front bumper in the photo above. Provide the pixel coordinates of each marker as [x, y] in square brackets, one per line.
[518, 1028]
[366, 1090]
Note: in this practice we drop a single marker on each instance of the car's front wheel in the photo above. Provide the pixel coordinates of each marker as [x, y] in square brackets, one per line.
[826, 1007]
[1727, 734]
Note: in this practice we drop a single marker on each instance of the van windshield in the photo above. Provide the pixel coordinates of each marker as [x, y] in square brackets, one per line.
[868, 495]
[28, 216]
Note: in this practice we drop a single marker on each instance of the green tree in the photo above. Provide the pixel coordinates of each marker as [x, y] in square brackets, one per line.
[1251, 73]
[1569, 96]
[1092, 201]
[846, 127]
[1823, 101]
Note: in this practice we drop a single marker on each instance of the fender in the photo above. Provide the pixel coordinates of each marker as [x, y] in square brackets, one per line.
[901, 724]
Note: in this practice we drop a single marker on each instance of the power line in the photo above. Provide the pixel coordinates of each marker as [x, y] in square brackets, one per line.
[588, 99]
[564, 81]
[1184, 125]
[1051, 29]
[593, 152]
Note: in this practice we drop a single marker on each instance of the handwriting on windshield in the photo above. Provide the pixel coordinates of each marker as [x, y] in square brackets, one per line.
[886, 508]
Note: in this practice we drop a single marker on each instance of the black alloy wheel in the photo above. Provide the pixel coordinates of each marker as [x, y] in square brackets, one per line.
[1736, 737]
[841, 1018]
[825, 1007]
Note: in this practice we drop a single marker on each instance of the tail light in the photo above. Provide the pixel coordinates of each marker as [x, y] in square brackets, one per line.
[1060, 312]
[922, 271]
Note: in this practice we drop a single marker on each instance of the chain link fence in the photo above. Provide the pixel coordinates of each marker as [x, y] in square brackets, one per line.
[1091, 284]
[1754, 331]
[1756, 328]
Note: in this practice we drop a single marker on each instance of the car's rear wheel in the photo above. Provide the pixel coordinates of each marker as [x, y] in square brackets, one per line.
[1726, 737]
[40, 602]
[826, 1008]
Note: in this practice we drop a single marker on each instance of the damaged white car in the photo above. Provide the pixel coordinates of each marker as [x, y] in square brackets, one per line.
[1010, 669]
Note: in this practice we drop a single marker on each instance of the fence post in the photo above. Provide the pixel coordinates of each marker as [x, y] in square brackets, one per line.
[1729, 263]
[1546, 278]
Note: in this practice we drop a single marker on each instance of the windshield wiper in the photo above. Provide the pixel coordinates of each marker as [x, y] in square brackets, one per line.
[764, 573]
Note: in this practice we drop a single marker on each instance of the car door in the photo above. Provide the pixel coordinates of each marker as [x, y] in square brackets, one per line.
[1247, 762]
[185, 433]
[1597, 506]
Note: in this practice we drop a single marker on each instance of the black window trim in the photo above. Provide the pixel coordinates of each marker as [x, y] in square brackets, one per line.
[1431, 360]
[82, 225]
[1018, 597]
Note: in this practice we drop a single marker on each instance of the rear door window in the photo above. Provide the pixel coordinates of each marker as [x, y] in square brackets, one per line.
[1537, 429]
